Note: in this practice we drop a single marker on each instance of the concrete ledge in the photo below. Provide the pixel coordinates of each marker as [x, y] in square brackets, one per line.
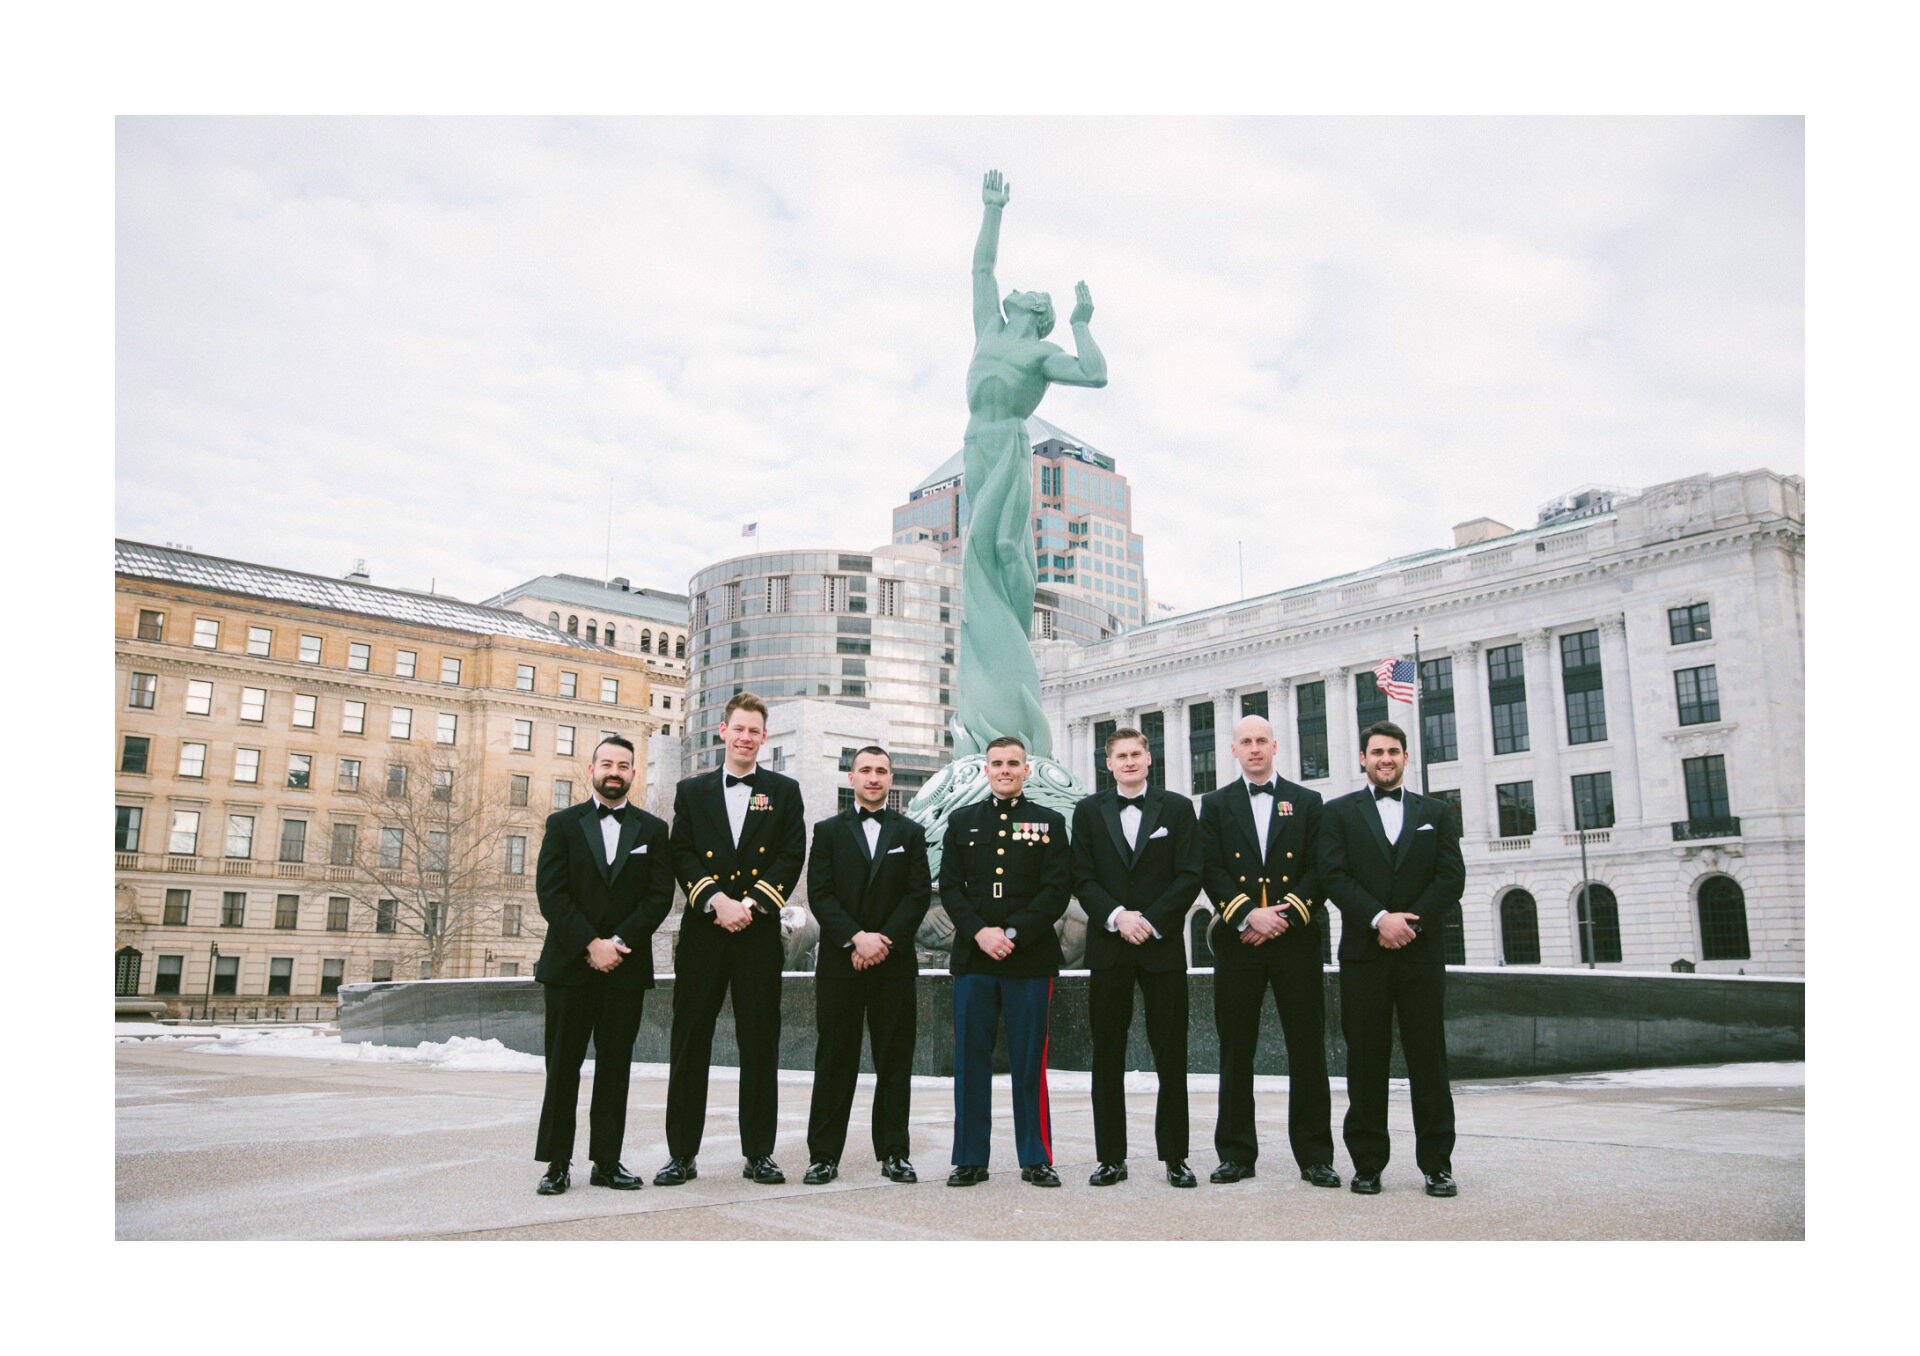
[1503, 1023]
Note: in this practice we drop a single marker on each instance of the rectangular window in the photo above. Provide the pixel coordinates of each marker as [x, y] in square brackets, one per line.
[152, 625]
[845, 800]
[359, 656]
[1153, 724]
[509, 923]
[516, 855]
[1707, 802]
[1593, 801]
[563, 740]
[404, 662]
[887, 599]
[349, 774]
[1507, 695]
[446, 728]
[206, 633]
[1580, 678]
[1452, 798]
[305, 707]
[569, 684]
[141, 688]
[240, 836]
[1102, 731]
[226, 976]
[396, 781]
[293, 840]
[437, 849]
[183, 835]
[279, 976]
[381, 971]
[610, 690]
[1515, 800]
[1688, 624]
[342, 845]
[1312, 726]
[779, 590]
[400, 723]
[435, 923]
[523, 736]
[1202, 754]
[286, 912]
[126, 828]
[562, 792]
[193, 760]
[353, 717]
[299, 771]
[392, 846]
[450, 670]
[337, 906]
[1698, 694]
[1439, 741]
[1369, 703]
[331, 973]
[246, 766]
[199, 697]
[1254, 703]
[233, 909]
[309, 649]
[386, 916]
[443, 783]
[133, 753]
[517, 786]
[523, 677]
[259, 642]
[174, 913]
[253, 704]
[166, 978]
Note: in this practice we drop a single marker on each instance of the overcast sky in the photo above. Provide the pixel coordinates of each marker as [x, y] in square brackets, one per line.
[438, 343]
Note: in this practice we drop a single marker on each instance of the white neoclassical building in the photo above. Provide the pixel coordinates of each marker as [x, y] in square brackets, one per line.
[1629, 671]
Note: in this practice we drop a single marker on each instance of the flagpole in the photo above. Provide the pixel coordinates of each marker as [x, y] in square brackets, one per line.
[1419, 732]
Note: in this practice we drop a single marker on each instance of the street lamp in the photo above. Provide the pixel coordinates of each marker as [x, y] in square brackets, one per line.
[213, 955]
[1586, 899]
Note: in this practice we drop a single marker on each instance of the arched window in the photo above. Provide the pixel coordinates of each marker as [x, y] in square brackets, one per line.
[679, 647]
[1723, 920]
[607, 635]
[1519, 929]
[573, 625]
[553, 620]
[1605, 932]
[646, 642]
[593, 629]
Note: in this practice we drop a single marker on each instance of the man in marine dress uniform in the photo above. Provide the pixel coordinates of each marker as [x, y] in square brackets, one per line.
[1136, 871]
[868, 885]
[739, 841]
[1391, 860]
[1005, 876]
[1257, 845]
[604, 884]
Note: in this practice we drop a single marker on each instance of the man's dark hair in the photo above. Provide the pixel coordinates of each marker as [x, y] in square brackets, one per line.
[744, 701]
[620, 741]
[1126, 732]
[1383, 727]
[1008, 741]
[873, 748]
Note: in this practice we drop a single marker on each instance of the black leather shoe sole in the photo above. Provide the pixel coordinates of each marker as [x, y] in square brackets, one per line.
[1366, 1186]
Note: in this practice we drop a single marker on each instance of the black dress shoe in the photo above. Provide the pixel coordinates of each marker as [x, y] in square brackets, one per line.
[1366, 1183]
[820, 1173]
[1321, 1175]
[1107, 1174]
[966, 1175]
[556, 1182]
[616, 1177]
[677, 1172]
[1041, 1175]
[1180, 1175]
[764, 1171]
[1230, 1171]
[1441, 1184]
[897, 1169]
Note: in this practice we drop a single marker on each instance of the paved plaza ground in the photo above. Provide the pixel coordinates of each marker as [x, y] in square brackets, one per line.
[214, 1147]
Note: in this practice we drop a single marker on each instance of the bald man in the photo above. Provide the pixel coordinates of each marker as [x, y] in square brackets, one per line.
[1257, 844]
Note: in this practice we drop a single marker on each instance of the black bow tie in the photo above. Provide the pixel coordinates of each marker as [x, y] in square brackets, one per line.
[733, 781]
[1394, 794]
[618, 812]
[1137, 802]
[1261, 789]
[866, 814]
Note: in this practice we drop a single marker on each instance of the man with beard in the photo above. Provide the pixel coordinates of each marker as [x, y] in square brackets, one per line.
[604, 883]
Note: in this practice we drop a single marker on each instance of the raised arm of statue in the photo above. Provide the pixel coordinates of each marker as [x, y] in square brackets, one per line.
[986, 253]
[1087, 365]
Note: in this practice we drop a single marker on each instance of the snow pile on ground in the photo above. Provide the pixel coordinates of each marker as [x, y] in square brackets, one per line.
[1781, 1075]
[462, 1054]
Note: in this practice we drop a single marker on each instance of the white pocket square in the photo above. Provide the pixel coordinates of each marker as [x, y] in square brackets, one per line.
[891, 851]
[1423, 828]
[637, 851]
[1157, 833]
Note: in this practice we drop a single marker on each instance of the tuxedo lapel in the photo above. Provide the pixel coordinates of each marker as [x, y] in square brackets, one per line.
[629, 839]
[1149, 817]
[596, 843]
[1410, 819]
[1110, 812]
[1371, 813]
[889, 832]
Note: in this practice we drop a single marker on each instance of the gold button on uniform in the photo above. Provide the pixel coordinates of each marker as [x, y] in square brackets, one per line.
[1001, 851]
[1289, 855]
[709, 852]
[999, 870]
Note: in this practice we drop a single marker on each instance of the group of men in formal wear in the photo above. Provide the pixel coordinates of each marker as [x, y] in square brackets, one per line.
[1268, 853]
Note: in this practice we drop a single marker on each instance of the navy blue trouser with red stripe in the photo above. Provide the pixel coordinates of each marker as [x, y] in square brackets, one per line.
[978, 1004]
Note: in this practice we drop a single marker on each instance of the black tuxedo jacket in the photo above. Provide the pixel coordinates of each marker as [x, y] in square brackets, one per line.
[1423, 873]
[1006, 867]
[1237, 878]
[583, 896]
[853, 891]
[760, 872]
[1159, 876]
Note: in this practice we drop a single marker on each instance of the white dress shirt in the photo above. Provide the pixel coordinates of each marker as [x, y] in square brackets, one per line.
[1130, 826]
[1393, 817]
[737, 797]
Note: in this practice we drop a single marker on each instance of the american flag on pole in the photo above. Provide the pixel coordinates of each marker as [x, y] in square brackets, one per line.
[1395, 678]
[749, 529]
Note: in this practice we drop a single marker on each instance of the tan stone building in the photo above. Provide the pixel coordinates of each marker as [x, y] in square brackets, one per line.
[320, 781]
[648, 623]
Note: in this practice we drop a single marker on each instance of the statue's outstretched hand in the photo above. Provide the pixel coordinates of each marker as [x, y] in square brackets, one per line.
[1082, 305]
[994, 190]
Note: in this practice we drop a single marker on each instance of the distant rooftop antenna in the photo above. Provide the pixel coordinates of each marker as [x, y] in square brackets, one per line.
[359, 570]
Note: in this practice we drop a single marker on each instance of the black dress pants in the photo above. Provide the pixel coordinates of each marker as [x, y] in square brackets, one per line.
[1110, 1014]
[1372, 994]
[886, 1002]
[1298, 993]
[609, 1016]
[700, 986]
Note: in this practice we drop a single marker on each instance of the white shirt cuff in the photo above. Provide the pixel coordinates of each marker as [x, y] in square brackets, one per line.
[1377, 917]
[1113, 919]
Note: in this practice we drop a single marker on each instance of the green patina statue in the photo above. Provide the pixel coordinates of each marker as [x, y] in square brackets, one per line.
[1012, 365]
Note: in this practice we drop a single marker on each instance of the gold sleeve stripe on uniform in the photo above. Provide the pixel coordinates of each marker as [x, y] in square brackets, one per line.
[700, 884]
[1300, 906]
[772, 892]
[1227, 911]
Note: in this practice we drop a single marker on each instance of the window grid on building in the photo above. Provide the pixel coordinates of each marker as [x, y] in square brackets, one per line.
[286, 912]
[1697, 695]
[133, 753]
[1519, 929]
[1580, 679]
[174, 911]
[1706, 780]
[1203, 753]
[1515, 803]
[1685, 625]
[1153, 724]
[293, 840]
[1723, 920]
[1102, 730]
[1507, 698]
[1600, 943]
[1438, 737]
[1311, 725]
[1369, 704]
[233, 909]
[1593, 801]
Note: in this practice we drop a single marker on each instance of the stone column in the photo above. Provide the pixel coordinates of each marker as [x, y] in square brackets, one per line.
[1343, 736]
[1543, 734]
[1077, 741]
[1472, 739]
[1286, 757]
[1226, 710]
[1179, 769]
[1616, 673]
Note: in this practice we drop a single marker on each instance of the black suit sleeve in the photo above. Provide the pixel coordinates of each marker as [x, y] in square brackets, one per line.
[789, 855]
[904, 921]
[1357, 906]
[1308, 891]
[689, 866]
[656, 896]
[1049, 902]
[837, 926]
[1440, 901]
[554, 890]
[953, 880]
[1168, 912]
[1094, 897]
[1221, 884]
